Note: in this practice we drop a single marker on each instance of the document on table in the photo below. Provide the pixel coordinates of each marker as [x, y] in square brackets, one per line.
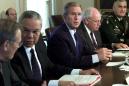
[123, 49]
[127, 80]
[87, 80]
[115, 63]
[118, 54]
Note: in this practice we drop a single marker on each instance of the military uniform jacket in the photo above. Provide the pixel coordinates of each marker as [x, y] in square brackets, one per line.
[114, 30]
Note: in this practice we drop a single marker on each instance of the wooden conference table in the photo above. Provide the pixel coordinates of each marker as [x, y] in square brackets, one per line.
[111, 75]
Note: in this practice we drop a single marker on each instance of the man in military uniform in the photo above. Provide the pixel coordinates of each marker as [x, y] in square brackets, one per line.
[114, 28]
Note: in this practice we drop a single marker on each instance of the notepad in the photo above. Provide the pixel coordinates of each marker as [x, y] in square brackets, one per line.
[87, 80]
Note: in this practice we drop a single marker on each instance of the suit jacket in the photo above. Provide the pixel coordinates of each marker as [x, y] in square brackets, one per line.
[87, 40]
[21, 65]
[61, 49]
[114, 31]
[8, 76]
[1, 80]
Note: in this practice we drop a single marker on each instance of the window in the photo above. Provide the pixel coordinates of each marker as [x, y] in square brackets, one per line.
[42, 7]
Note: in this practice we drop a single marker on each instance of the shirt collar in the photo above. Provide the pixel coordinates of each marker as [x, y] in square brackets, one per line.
[29, 48]
[72, 31]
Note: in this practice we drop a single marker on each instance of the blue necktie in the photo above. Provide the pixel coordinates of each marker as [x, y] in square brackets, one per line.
[35, 67]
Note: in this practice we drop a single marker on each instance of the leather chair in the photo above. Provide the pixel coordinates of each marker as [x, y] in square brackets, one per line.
[56, 20]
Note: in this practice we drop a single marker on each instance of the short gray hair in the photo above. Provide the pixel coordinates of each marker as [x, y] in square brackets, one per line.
[89, 12]
[29, 15]
[117, 1]
[8, 30]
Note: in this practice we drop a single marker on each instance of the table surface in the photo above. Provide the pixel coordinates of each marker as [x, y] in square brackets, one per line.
[111, 75]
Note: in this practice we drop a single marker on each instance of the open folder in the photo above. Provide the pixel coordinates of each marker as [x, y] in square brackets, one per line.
[82, 80]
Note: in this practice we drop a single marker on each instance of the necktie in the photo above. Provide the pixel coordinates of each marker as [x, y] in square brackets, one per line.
[93, 40]
[35, 67]
[77, 43]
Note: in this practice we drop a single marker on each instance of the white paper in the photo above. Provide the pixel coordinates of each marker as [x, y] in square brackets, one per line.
[82, 79]
[118, 54]
[124, 67]
[127, 80]
[123, 49]
[115, 63]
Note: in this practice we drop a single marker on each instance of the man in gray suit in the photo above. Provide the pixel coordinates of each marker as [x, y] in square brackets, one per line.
[10, 40]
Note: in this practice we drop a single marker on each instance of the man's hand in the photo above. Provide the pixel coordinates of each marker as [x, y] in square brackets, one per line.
[66, 83]
[104, 54]
[89, 72]
[44, 83]
[120, 45]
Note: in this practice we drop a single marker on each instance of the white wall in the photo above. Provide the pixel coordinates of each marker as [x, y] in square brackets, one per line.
[60, 4]
[19, 5]
[5, 4]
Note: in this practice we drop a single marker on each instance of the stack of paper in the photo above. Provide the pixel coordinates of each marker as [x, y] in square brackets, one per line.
[118, 54]
[121, 52]
[124, 67]
[123, 49]
[115, 63]
[87, 80]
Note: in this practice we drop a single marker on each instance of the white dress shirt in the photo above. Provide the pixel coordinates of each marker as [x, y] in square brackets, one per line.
[95, 57]
[51, 82]
[29, 57]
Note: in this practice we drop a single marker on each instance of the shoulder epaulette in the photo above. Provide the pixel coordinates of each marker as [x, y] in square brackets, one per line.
[109, 17]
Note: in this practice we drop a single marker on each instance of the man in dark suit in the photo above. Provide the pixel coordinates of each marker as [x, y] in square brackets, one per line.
[87, 38]
[66, 47]
[90, 24]
[10, 39]
[115, 27]
[22, 62]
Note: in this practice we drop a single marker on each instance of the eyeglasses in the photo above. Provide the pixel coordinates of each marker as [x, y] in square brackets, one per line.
[95, 21]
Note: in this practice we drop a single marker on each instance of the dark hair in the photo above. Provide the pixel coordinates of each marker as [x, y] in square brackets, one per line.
[7, 11]
[8, 30]
[70, 4]
[29, 14]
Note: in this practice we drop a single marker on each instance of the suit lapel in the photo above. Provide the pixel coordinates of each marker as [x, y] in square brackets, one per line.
[25, 60]
[119, 24]
[69, 38]
[40, 54]
[98, 38]
[86, 38]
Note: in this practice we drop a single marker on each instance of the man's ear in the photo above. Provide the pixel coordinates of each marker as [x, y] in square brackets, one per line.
[6, 45]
